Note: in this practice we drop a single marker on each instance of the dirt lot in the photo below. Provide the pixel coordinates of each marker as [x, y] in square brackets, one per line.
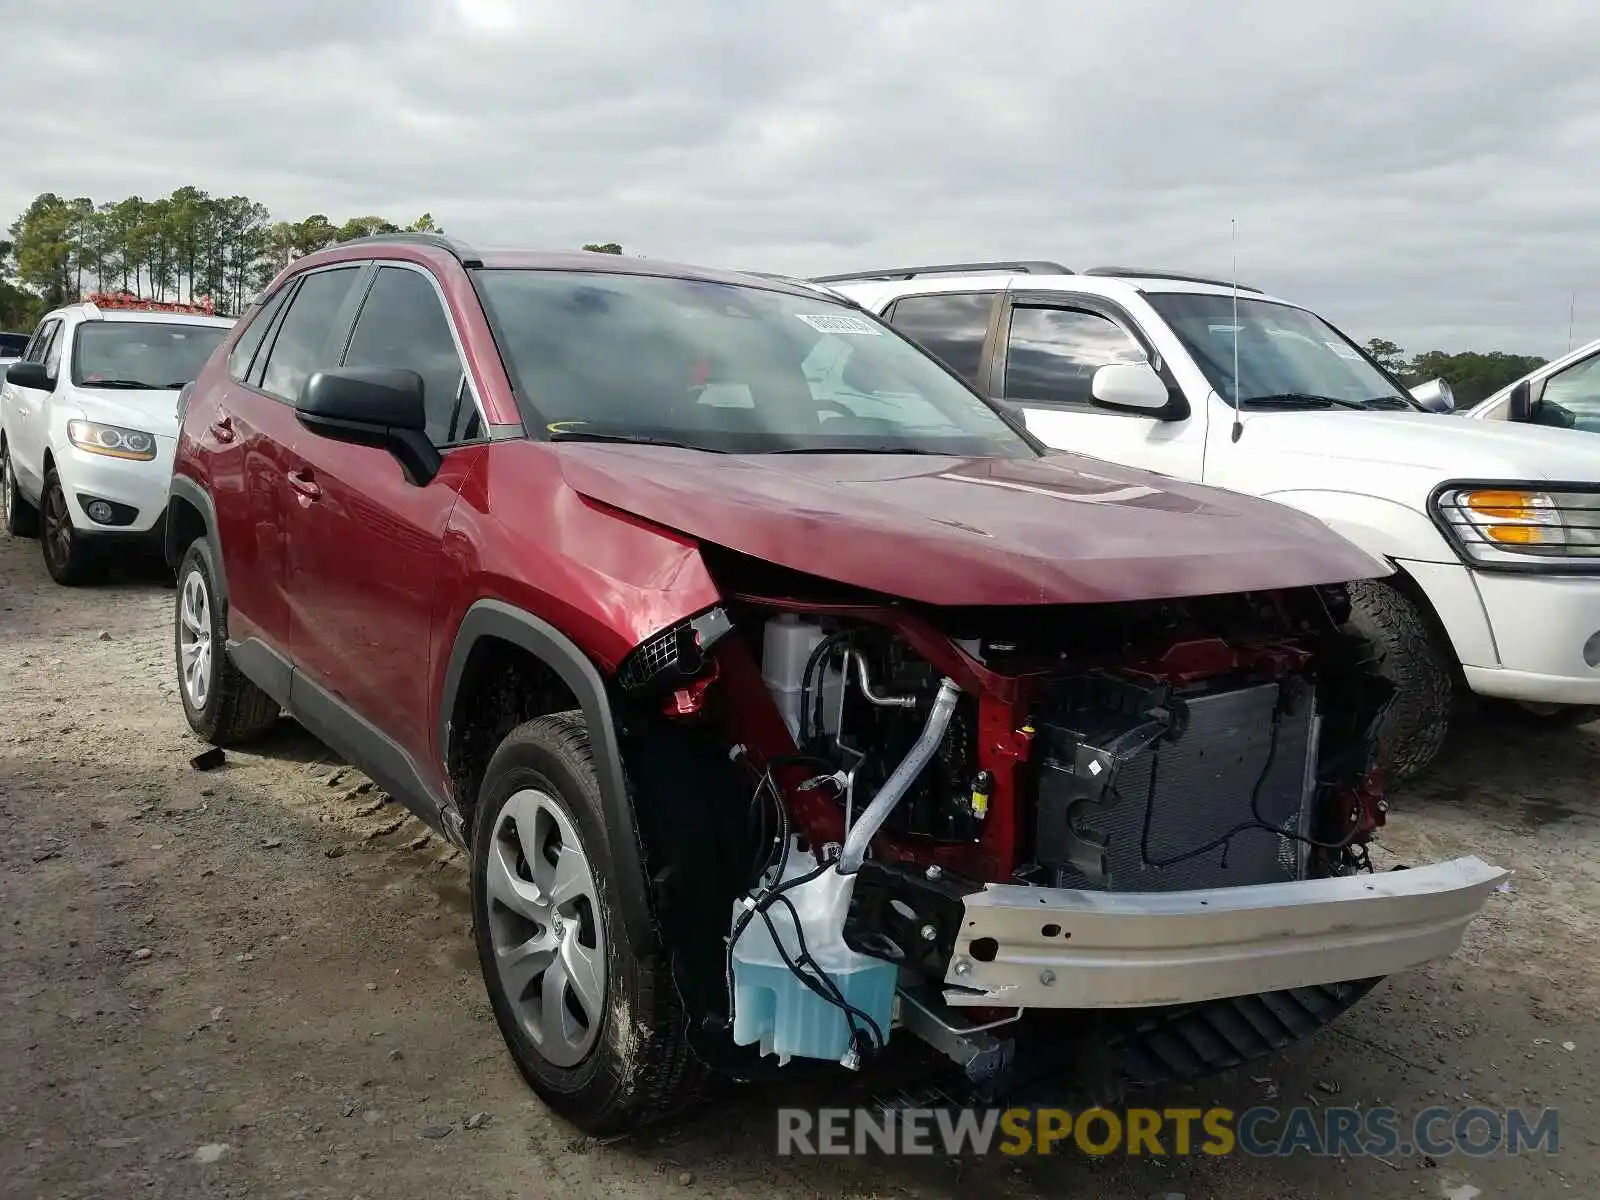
[258, 982]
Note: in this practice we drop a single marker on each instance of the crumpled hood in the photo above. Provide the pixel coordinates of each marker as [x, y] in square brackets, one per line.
[953, 531]
[154, 412]
[1450, 446]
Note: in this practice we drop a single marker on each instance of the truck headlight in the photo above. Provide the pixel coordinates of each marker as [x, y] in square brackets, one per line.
[112, 440]
[1527, 528]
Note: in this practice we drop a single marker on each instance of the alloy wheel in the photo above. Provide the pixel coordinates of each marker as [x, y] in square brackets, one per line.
[544, 927]
[194, 639]
[57, 527]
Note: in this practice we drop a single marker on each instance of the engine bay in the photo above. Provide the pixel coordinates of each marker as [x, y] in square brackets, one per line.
[897, 763]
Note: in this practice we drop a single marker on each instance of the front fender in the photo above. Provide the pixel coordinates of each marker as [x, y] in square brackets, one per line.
[1387, 528]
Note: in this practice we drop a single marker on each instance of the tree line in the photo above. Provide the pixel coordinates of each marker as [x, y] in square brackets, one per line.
[188, 246]
[185, 246]
[1472, 375]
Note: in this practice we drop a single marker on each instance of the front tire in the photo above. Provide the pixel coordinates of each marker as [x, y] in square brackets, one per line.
[69, 558]
[222, 706]
[591, 1019]
[21, 519]
[1417, 664]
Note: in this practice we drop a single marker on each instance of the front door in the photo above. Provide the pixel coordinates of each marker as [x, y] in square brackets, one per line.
[251, 436]
[28, 423]
[366, 545]
[1048, 350]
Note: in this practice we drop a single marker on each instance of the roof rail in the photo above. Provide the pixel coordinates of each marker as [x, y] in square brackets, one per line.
[1154, 273]
[467, 256]
[1020, 267]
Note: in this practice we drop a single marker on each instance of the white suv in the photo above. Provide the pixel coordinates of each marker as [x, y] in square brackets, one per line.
[88, 420]
[1494, 528]
[1564, 394]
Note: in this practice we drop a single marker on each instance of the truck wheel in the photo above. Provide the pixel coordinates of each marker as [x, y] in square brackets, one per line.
[591, 1019]
[222, 705]
[70, 560]
[1414, 728]
[21, 518]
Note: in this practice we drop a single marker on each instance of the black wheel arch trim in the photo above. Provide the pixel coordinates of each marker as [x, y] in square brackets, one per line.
[493, 618]
[185, 489]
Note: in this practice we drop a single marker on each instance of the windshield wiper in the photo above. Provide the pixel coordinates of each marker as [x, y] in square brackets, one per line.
[1302, 400]
[594, 435]
[122, 383]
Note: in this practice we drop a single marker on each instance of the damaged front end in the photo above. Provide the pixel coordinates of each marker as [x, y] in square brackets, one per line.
[866, 818]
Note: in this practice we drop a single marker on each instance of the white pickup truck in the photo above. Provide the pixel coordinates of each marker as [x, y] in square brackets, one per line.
[1493, 527]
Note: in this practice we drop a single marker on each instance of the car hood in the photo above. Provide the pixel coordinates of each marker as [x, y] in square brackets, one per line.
[1447, 446]
[153, 411]
[954, 531]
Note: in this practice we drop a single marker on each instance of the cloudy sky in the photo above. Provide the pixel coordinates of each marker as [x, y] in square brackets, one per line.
[1414, 175]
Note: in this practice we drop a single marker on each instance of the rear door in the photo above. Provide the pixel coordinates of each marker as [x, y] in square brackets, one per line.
[365, 544]
[250, 438]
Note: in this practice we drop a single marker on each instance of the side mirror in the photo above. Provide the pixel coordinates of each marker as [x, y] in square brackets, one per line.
[1435, 396]
[1519, 405]
[1132, 387]
[372, 406]
[30, 375]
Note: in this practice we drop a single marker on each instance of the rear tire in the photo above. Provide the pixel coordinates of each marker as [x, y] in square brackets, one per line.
[21, 519]
[222, 706]
[592, 1020]
[1413, 729]
[68, 556]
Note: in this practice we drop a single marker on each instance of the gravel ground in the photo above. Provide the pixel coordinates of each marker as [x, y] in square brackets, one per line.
[258, 981]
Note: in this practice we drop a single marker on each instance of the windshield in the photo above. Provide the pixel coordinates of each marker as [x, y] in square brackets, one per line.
[1288, 357]
[144, 355]
[722, 367]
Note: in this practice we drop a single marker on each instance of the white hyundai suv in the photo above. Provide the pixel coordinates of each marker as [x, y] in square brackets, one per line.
[1493, 527]
[88, 422]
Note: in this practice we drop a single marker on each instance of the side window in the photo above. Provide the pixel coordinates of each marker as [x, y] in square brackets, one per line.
[302, 345]
[244, 350]
[402, 324]
[950, 327]
[1572, 396]
[1053, 353]
[41, 341]
[52, 352]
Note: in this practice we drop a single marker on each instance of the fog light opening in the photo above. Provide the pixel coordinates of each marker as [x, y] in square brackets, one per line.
[100, 512]
[1591, 649]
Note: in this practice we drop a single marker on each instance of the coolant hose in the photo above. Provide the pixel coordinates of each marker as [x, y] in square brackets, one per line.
[875, 814]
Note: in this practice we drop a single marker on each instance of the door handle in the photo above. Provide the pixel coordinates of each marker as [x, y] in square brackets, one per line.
[301, 481]
[222, 429]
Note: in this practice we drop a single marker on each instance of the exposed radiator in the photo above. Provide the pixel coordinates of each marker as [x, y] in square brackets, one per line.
[1128, 789]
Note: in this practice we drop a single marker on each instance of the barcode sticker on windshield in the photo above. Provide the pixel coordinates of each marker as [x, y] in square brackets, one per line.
[839, 323]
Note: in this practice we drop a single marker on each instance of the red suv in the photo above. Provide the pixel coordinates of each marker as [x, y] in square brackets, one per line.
[788, 696]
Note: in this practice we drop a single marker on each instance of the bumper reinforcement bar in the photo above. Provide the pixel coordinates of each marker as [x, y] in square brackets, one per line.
[1029, 947]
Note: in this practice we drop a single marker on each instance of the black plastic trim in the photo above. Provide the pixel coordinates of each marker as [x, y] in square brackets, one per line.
[464, 254]
[264, 667]
[1535, 565]
[367, 747]
[1018, 267]
[186, 489]
[1138, 273]
[342, 729]
[492, 618]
